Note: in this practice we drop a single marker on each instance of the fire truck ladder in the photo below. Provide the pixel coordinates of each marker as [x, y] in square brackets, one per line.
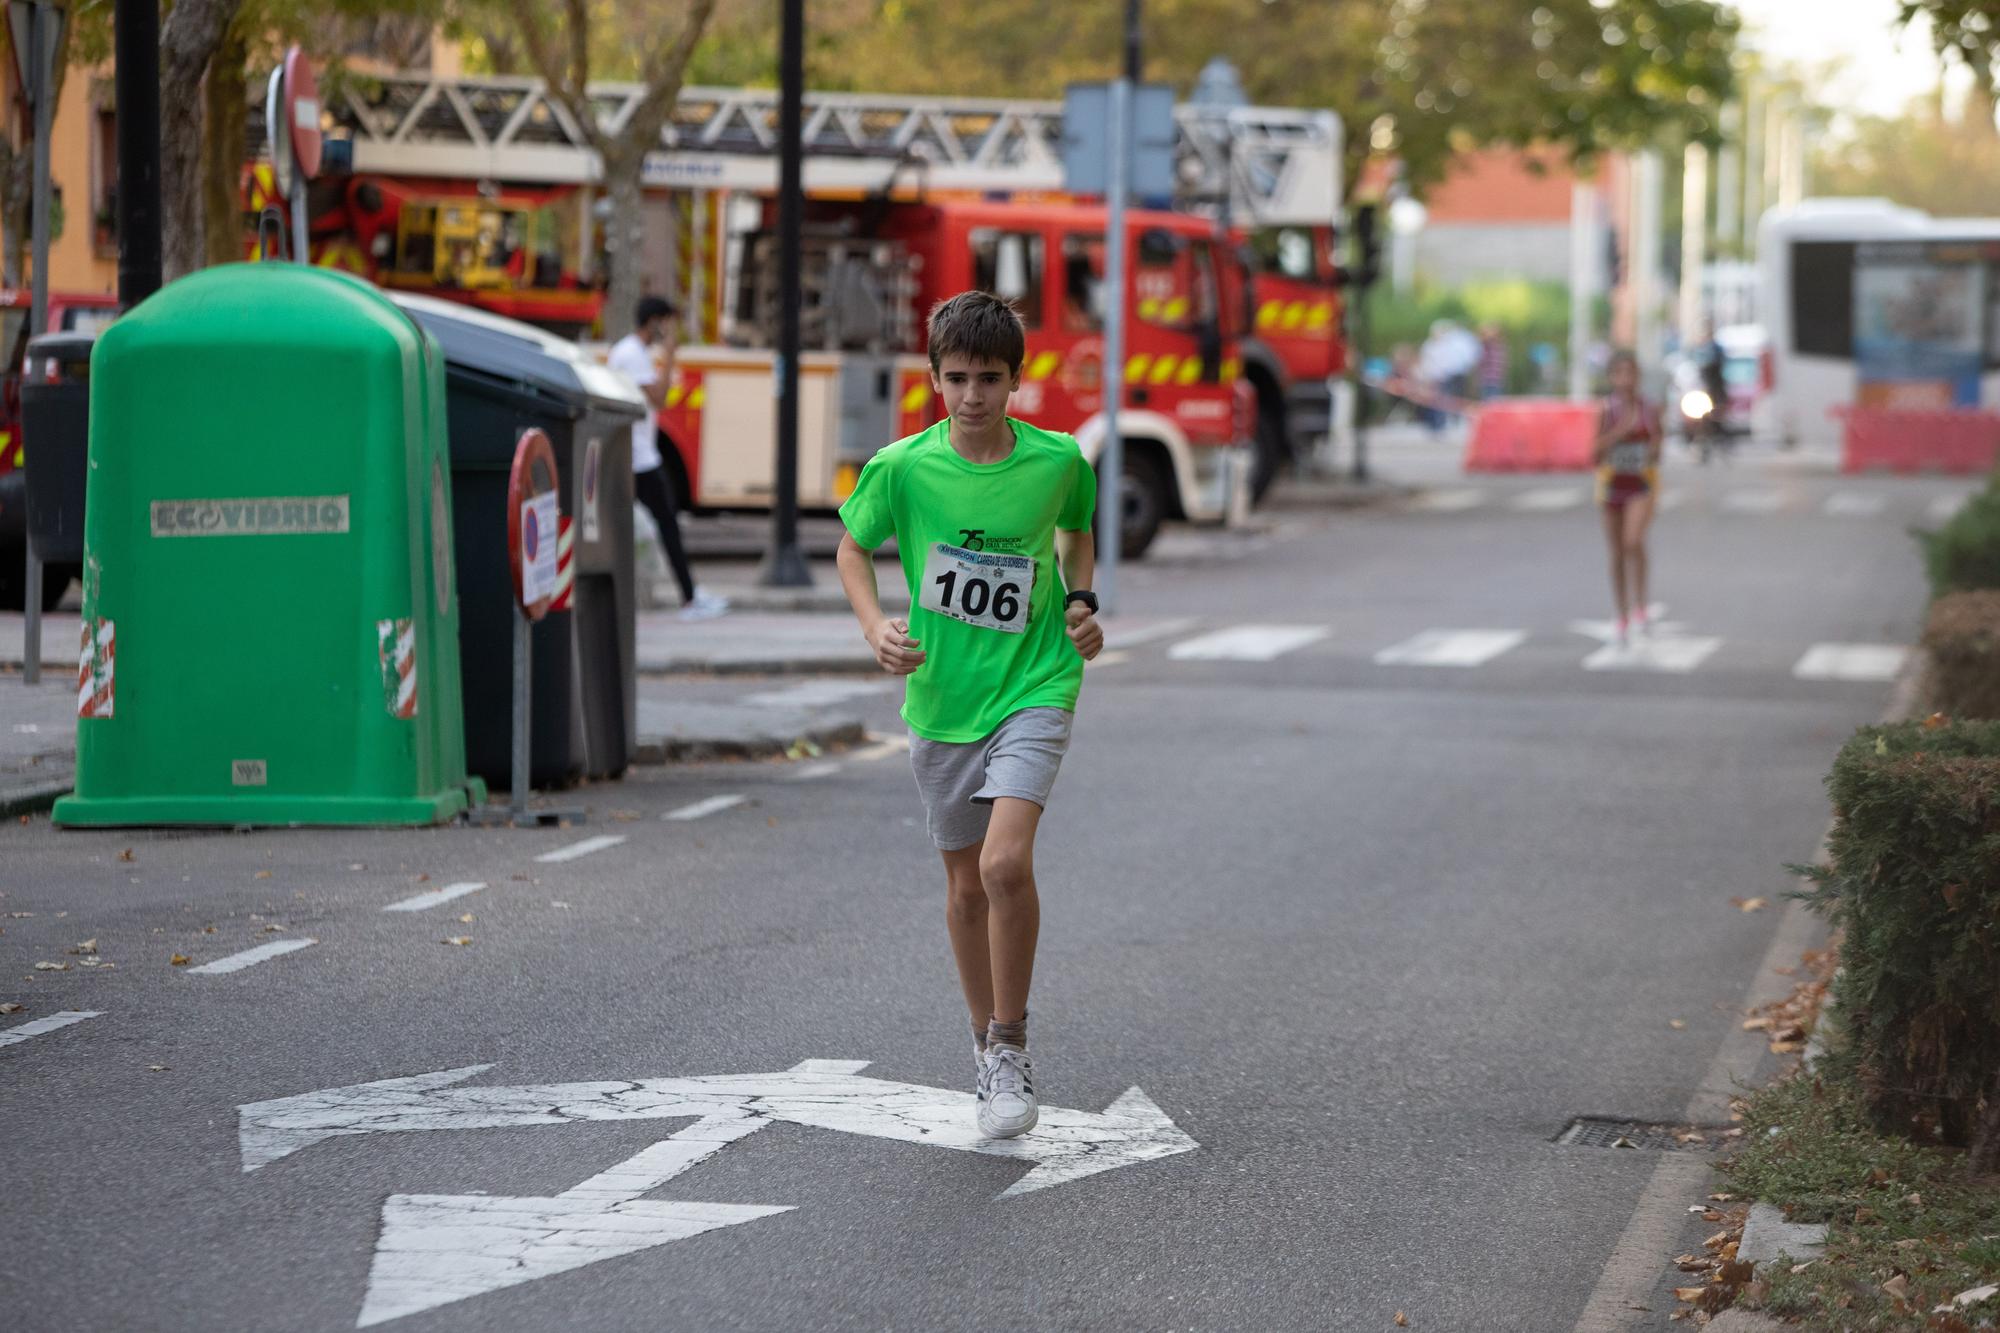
[1273, 165]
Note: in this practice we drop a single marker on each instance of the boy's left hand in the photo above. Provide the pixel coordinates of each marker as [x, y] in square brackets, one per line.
[1084, 631]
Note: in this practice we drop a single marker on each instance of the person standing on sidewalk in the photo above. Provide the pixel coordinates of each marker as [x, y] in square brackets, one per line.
[1627, 455]
[991, 518]
[646, 357]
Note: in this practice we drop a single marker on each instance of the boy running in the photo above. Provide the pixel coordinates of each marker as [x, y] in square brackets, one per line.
[983, 509]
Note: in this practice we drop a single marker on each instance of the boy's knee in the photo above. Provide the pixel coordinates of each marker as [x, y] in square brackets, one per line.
[965, 897]
[1006, 872]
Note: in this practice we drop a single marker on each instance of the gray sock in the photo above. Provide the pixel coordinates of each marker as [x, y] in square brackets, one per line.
[1007, 1034]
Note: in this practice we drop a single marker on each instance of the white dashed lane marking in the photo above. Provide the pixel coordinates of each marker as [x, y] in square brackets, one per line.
[236, 962]
[1448, 502]
[1851, 661]
[577, 849]
[435, 898]
[1452, 647]
[702, 809]
[1247, 643]
[49, 1024]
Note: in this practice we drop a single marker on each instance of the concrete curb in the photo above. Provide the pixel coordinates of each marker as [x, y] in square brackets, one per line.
[654, 750]
[1766, 1235]
[31, 798]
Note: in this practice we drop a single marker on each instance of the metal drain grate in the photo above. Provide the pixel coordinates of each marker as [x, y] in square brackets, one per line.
[1597, 1132]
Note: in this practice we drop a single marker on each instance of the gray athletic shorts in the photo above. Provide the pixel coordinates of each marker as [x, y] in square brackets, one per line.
[959, 781]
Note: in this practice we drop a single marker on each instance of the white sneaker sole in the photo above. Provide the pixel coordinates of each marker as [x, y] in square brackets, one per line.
[993, 1127]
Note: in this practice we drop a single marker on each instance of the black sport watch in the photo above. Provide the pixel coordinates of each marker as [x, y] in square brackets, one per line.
[1084, 595]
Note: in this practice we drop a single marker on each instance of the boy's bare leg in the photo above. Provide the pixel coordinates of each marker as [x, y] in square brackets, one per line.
[1014, 912]
[965, 917]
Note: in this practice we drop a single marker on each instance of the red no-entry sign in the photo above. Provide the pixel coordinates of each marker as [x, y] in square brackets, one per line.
[533, 519]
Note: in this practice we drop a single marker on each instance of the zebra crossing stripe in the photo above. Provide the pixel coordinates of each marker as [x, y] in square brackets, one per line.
[1644, 653]
[37, 1027]
[1753, 502]
[1548, 499]
[1852, 504]
[1851, 661]
[1448, 502]
[1452, 648]
[1247, 643]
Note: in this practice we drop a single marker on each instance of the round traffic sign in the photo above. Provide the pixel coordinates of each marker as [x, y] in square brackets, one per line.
[531, 523]
[302, 112]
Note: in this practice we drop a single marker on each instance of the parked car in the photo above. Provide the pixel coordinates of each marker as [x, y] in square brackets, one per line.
[74, 313]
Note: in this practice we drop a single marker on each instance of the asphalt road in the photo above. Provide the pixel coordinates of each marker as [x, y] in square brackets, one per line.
[1369, 933]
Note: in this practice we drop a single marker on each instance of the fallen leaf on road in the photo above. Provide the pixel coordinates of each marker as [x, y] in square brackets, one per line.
[85, 946]
[1914, 1199]
[624, 816]
[555, 903]
[1402, 1320]
[1971, 1296]
[18, 915]
[101, 964]
[1721, 1198]
[12, 1008]
[51, 967]
[1756, 1024]
[1689, 1294]
[273, 926]
[772, 821]
[157, 1069]
[1935, 721]
[1750, 904]
[1677, 1023]
[208, 930]
[1897, 1288]
[179, 960]
[456, 939]
[1710, 1215]
[1800, 1268]
[1863, 1215]
[126, 855]
[423, 879]
[467, 918]
[1717, 1241]
[1787, 1047]
[1879, 1176]
[1622, 1142]
[263, 874]
[1692, 1263]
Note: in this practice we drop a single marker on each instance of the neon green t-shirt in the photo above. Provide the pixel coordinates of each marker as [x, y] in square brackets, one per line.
[977, 542]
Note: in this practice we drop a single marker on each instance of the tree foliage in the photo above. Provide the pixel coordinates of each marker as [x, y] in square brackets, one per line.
[86, 41]
[1420, 78]
[1968, 30]
[1947, 165]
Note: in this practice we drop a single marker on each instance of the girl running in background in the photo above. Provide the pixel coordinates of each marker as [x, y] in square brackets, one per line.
[1627, 454]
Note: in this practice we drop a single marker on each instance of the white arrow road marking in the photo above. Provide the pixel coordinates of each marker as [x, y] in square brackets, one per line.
[38, 1026]
[236, 962]
[1851, 661]
[1548, 499]
[701, 809]
[1452, 647]
[1246, 643]
[578, 849]
[1066, 1145]
[435, 898]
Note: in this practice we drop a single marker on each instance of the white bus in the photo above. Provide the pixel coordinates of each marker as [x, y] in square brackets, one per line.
[1870, 303]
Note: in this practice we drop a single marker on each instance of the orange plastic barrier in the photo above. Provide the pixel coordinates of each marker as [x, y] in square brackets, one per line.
[1960, 441]
[1531, 435]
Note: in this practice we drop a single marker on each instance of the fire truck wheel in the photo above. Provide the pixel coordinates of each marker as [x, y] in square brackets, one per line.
[1274, 452]
[1143, 501]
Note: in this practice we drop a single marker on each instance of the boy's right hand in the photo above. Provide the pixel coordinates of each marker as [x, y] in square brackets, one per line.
[895, 651]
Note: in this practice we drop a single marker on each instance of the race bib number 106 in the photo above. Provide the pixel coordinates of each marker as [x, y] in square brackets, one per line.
[990, 591]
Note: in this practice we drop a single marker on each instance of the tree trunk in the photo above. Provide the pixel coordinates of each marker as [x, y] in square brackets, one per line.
[189, 37]
[226, 94]
[227, 97]
[624, 240]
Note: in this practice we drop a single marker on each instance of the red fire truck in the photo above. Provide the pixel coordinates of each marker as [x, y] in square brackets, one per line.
[871, 275]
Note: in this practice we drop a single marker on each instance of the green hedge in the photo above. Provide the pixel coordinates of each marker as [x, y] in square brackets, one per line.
[1962, 641]
[1914, 884]
[1965, 552]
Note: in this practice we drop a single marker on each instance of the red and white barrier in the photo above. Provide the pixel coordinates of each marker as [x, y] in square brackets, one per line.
[1957, 441]
[1532, 435]
[565, 567]
[93, 670]
[396, 644]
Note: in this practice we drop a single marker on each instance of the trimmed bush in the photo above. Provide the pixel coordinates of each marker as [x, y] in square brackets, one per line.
[1962, 637]
[1914, 884]
[1965, 552]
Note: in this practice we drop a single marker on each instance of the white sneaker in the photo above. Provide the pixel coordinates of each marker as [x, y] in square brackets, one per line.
[705, 605]
[1007, 1105]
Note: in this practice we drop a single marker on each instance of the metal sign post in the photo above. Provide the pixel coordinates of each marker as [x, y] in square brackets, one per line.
[533, 524]
[36, 29]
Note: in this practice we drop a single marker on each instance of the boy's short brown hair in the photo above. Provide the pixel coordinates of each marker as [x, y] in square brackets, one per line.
[978, 326]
